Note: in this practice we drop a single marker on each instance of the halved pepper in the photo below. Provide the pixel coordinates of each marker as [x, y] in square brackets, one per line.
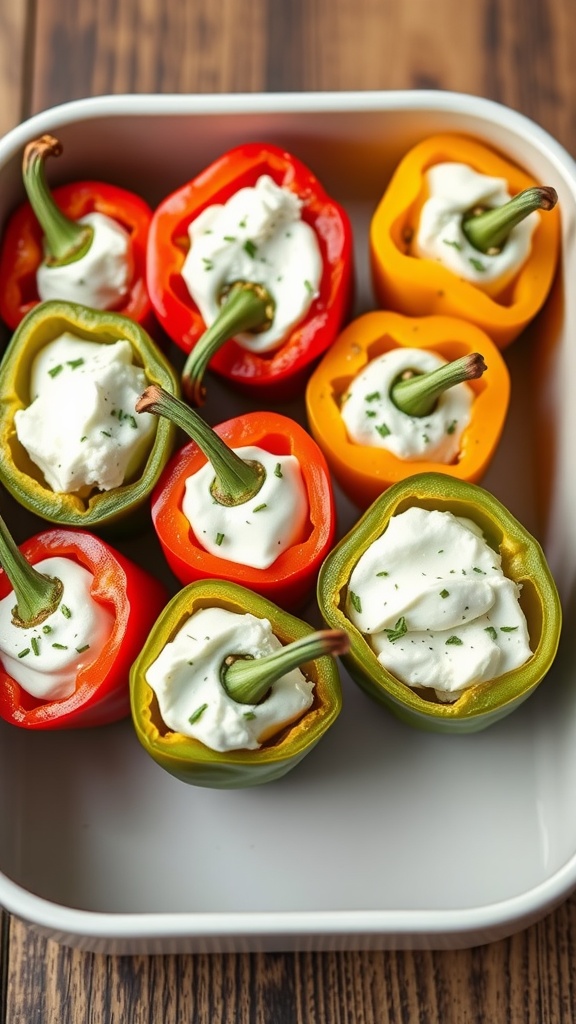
[523, 561]
[132, 596]
[418, 287]
[279, 374]
[23, 243]
[18, 473]
[290, 579]
[190, 760]
[364, 471]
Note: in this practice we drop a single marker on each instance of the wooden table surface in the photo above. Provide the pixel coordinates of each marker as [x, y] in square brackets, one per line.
[519, 52]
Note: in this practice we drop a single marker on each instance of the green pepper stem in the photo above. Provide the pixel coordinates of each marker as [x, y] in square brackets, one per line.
[417, 395]
[65, 240]
[37, 595]
[247, 307]
[237, 480]
[488, 231]
[247, 680]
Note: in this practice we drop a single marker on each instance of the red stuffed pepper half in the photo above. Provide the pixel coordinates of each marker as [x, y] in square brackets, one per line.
[74, 614]
[255, 259]
[249, 501]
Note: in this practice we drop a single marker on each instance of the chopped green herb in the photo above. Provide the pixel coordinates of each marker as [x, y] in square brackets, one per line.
[399, 630]
[75, 363]
[82, 649]
[60, 647]
[491, 632]
[106, 433]
[451, 427]
[208, 264]
[383, 573]
[441, 551]
[250, 247]
[278, 470]
[454, 244]
[229, 238]
[197, 714]
[55, 370]
[132, 421]
[476, 569]
[454, 640]
[372, 397]
[22, 654]
[260, 507]
[65, 611]
[219, 538]
[85, 438]
[477, 264]
[355, 601]
[425, 438]
[46, 629]
[371, 414]
[249, 715]
[508, 629]
[309, 287]
[444, 593]
[35, 645]
[383, 430]
[242, 223]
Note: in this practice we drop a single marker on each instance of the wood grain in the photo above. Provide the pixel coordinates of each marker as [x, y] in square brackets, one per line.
[16, 32]
[519, 52]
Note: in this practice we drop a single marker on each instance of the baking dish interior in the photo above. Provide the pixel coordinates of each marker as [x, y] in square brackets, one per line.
[381, 818]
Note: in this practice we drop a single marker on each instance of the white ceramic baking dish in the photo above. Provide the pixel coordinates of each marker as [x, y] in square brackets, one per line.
[384, 837]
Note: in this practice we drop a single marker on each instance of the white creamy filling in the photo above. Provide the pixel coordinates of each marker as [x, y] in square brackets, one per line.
[433, 602]
[81, 429]
[258, 235]
[257, 531]
[454, 190]
[101, 277]
[372, 418]
[46, 659]
[187, 680]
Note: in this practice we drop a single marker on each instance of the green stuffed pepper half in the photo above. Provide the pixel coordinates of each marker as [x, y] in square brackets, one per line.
[453, 615]
[72, 449]
[229, 690]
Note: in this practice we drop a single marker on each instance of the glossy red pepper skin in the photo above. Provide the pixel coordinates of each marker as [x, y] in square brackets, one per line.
[102, 691]
[22, 251]
[277, 375]
[291, 578]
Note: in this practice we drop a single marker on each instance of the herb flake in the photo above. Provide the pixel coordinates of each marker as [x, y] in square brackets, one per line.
[399, 630]
[197, 714]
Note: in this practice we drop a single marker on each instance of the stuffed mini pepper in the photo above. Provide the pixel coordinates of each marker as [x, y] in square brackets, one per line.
[74, 614]
[400, 395]
[453, 614]
[85, 243]
[72, 449]
[249, 501]
[462, 231]
[230, 691]
[252, 253]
